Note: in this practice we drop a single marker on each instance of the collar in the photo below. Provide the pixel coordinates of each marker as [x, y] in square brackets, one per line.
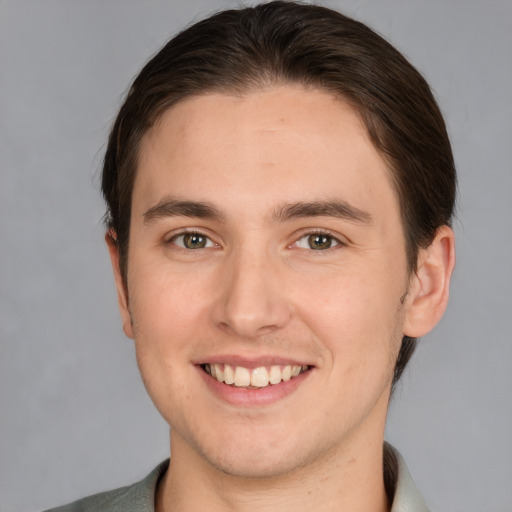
[399, 483]
[140, 497]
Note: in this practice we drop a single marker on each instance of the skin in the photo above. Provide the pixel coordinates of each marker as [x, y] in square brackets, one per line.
[258, 292]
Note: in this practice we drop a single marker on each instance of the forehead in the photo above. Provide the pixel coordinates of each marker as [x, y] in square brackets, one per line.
[282, 144]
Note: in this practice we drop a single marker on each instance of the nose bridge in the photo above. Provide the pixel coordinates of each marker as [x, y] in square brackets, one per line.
[253, 300]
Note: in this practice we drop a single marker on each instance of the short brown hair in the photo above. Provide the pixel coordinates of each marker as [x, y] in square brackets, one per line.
[282, 42]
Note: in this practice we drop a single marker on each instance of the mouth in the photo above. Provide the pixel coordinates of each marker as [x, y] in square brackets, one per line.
[253, 378]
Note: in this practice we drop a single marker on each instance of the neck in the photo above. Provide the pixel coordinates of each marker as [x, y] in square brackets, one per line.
[347, 478]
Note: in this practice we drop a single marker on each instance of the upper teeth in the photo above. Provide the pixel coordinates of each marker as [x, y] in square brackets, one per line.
[256, 377]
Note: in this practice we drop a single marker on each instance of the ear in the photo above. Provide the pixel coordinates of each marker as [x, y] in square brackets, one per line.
[430, 285]
[122, 292]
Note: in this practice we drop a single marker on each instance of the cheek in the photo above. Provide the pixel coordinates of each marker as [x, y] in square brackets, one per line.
[165, 316]
[165, 306]
[357, 317]
[165, 321]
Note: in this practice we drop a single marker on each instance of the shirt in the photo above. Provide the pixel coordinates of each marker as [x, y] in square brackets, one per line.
[140, 497]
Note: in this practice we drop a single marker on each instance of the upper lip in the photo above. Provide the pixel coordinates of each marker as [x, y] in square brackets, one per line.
[252, 362]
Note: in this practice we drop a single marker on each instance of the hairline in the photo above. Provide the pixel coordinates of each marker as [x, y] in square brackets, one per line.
[260, 84]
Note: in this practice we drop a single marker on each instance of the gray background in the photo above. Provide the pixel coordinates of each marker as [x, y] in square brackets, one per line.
[75, 418]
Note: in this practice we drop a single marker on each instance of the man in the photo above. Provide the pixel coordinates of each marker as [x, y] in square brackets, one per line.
[280, 186]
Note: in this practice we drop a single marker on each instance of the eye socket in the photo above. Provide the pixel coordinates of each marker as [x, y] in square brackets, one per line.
[192, 241]
[314, 241]
[317, 241]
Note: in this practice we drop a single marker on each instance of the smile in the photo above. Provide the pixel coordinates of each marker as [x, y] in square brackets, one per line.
[250, 378]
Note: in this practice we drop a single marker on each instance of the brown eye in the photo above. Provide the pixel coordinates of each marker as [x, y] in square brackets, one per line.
[192, 241]
[319, 241]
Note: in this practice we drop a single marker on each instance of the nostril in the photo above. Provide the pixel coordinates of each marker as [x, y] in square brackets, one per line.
[250, 303]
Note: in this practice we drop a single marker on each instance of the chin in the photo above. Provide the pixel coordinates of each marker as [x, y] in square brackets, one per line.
[259, 466]
[253, 456]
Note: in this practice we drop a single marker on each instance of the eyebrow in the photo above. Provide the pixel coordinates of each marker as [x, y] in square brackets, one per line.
[169, 207]
[334, 208]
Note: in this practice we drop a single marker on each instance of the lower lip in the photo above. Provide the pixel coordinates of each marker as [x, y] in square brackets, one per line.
[244, 397]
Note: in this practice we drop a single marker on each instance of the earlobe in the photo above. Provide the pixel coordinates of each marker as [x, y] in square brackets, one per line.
[122, 292]
[429, 288]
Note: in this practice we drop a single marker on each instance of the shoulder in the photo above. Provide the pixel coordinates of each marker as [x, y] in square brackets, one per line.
[102, 502]
[139, 497]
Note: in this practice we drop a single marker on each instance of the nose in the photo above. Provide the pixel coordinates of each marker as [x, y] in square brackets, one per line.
[253, 300]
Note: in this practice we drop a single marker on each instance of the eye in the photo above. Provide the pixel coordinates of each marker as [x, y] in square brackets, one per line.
[192, 241]
[317, 241]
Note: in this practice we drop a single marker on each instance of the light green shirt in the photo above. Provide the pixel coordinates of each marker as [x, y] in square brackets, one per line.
[140, 497]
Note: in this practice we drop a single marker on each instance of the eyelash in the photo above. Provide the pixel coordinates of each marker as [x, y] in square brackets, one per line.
[182, 235]
[210, 244]
[320, 233]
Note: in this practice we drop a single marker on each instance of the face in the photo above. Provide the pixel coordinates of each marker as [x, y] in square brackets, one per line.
[267, 279]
